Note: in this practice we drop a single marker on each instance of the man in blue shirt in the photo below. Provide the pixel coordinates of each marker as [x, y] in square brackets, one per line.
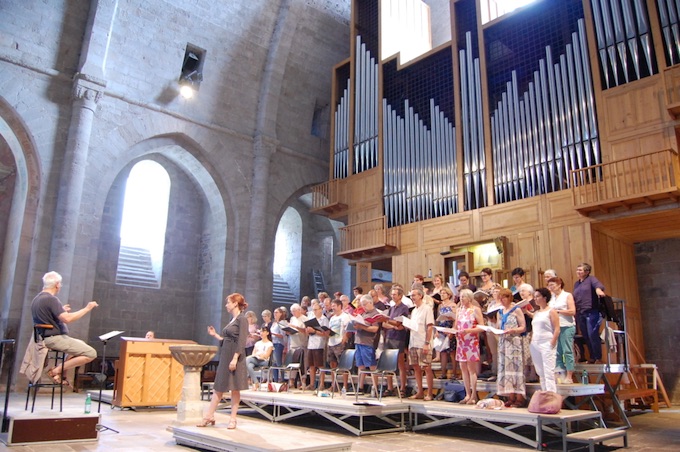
[586, 292]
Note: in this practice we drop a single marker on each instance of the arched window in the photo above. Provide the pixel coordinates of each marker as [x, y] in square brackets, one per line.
[142, 230]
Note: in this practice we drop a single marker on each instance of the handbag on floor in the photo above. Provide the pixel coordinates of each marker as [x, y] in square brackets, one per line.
[545, 402]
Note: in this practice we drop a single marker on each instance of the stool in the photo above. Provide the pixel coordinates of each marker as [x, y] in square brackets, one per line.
[58, 358]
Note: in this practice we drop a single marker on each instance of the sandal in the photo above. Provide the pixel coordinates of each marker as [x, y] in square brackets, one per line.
[427, 398]
[232, 424]
[206, 422]
[416, 397]
[464, 401]
[472, 401]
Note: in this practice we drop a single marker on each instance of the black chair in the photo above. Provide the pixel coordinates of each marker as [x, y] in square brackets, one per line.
[288, 365]
[387, 367]
[55, 356]
[345, 364]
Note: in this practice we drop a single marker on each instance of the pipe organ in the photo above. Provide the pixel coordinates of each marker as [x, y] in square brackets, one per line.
[503, 111]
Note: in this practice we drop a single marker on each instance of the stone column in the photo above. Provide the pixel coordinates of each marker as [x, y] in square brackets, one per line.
[88, 88]
[86, 94]
[264, 147]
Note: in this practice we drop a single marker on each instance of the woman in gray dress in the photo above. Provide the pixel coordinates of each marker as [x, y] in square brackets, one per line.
[231, 372]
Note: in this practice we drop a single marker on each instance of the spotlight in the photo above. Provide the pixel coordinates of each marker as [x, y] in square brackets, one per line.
[192, 71]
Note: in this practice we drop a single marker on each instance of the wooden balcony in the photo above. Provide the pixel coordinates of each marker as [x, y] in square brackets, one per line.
[327, 199]
[367, 239]
[628, 184]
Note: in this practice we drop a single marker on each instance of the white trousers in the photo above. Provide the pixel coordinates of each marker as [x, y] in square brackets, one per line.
[544, 357]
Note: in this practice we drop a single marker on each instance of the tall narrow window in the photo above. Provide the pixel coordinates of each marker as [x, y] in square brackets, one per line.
[142, 231]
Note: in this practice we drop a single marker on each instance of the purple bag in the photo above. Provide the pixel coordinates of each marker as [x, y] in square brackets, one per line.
[545, 402]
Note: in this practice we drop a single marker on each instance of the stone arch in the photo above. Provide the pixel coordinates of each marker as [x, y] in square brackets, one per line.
[319, 227]
[188, 156]
[21, 221]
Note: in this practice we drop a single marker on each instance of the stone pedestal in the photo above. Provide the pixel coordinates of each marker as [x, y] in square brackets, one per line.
[193, 357]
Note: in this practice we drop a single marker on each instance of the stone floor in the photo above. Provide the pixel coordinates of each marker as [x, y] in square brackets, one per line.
[145, 430]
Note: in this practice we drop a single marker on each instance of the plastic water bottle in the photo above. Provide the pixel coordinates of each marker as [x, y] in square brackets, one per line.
[343, 393]
[584, 377]
[88, 403]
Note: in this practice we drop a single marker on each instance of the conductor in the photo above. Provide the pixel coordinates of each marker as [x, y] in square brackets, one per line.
[47, 309]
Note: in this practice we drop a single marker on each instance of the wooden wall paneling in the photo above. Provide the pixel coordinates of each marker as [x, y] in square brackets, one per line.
[559, 207]
[614, 264]
[399, 267]
[640, 144]
[448, 230]
[409, 238]
[518, 215]
[634, 106]
[416, 265]
[525, 255]
[363, 272]
[434, 262]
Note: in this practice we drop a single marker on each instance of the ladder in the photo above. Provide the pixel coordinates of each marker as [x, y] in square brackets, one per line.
[319, 283]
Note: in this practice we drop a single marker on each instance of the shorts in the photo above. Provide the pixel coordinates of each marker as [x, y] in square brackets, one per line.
[417, 356]
[334, 352]
[315, 357]
[364, 356]
[395, 344]
[72, 347]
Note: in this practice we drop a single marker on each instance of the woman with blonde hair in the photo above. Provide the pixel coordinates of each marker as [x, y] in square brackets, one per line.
[231, 372]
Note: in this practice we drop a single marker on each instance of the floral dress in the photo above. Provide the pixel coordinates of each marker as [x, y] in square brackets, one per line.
[446, 324]
[510, 358]
[468, 344]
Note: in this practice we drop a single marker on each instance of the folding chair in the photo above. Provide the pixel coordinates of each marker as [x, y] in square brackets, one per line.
[288, 365]
[387, 366]
[345, 364]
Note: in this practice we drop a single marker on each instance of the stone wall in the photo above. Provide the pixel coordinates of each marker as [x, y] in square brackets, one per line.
[170, 310]
[658, 269]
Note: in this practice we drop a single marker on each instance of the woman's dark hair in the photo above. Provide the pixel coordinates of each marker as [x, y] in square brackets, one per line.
[465, 274]
[265, 328]
[488, 271]
[545, 293]
[518, 271]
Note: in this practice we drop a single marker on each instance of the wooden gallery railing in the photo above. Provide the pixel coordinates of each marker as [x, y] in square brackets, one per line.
[370, 236]
[643, 179]
[325, 194]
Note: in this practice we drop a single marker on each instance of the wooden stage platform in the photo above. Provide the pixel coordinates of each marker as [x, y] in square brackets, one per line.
[371, 417]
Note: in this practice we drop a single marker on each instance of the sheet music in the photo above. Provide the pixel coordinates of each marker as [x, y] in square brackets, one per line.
[109, 335]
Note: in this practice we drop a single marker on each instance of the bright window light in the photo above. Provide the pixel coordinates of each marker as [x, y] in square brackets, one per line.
[145, 211]
[493, 9]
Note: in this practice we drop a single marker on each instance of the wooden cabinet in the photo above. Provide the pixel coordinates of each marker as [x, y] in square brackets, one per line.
[147, 375]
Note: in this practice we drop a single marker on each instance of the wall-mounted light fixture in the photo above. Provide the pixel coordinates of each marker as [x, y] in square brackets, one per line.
[192, 71]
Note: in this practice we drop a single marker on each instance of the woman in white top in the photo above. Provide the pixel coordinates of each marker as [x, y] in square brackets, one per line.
[563, 304]
[545, 327]
[262, 350]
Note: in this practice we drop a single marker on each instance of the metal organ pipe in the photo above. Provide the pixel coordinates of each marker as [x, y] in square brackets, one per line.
[538, 136]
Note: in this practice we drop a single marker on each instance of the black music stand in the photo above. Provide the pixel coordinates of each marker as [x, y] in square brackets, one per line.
[105, 338]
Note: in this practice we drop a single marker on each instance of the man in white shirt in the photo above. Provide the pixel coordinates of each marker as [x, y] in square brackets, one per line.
[420, 349]
[337, 342]
[316, 345]
[298, 342]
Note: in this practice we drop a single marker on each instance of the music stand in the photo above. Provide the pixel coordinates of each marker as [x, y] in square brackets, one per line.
[105, 338]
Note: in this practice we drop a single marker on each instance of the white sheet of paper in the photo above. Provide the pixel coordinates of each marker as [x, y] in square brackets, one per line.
[491, 329]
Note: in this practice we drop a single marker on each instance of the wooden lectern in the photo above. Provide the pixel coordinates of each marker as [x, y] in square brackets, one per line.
[147, 375]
